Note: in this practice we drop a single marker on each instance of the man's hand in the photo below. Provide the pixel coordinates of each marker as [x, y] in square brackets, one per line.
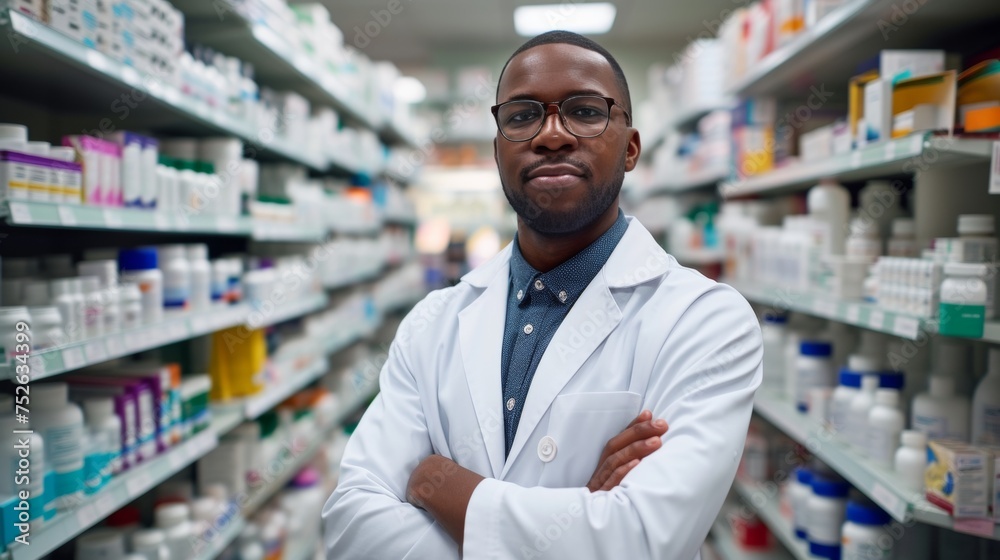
[624, 451]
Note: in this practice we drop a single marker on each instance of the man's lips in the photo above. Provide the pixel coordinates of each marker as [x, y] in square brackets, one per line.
[555, 170]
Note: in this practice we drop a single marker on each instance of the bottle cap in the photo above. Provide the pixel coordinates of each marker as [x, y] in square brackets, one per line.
[197, 252]
[891, 380]
[47, 396]
[775, 318]
[864, 513]
[976, 224]
[903, 227]
[99, 544]
[171, 514]
[829, 488]
[860, 363]
[804, 475]
[815, 348]
[887, 397]
[147, 538]
[914, 438]
[850, 378]
[105, 269]
[171, 252]
[137, 259]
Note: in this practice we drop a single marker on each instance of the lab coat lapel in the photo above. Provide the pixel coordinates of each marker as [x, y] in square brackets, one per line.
[594, 315]
[480, 336]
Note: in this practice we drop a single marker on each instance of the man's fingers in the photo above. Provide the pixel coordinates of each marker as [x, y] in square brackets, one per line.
[637, 432]
[619, 474]
[643, 416]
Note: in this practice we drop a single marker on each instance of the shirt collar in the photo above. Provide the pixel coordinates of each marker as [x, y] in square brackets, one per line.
[572, 276]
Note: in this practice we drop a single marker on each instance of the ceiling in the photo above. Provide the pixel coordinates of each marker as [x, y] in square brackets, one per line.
[422, 29]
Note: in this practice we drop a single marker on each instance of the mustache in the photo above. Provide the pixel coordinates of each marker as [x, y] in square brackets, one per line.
[583, 167]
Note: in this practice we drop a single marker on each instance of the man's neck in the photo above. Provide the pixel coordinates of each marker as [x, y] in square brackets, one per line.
[545, 252]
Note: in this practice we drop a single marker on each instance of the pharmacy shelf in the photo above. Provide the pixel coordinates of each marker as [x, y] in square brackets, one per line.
[46, 214]
[216, 542]
[357, 276]
[297, 549]
[303, 453]
[122, 490]
[48, 64]
[271, 397]
[816, 45]
[395, 133]
[894, 157]
[765, 505]
[699, 257]
[74, 216]
[880, 484]
[175, 328]
[689, 182]
[724, 543]
[223, 26]
[856, 313]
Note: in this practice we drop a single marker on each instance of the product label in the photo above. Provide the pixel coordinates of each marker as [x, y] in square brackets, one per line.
[147, 426]
[936, 427]
[175, 297]
[94, 467]
[962, 320]
[825, 522]
[63, 451]
[813, 377]
[990, 434]
[69, 482]
[38, 183]
[867, 549]
[15, 179]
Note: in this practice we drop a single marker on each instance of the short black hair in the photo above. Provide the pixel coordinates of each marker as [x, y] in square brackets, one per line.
[570, 38]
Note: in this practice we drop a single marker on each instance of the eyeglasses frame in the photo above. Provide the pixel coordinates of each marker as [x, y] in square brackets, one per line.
[545, 108]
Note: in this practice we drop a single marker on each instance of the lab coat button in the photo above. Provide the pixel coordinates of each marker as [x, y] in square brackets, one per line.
[547, 449]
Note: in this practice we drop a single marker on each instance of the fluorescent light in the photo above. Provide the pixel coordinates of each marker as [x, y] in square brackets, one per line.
[586, 19]
[408, 89]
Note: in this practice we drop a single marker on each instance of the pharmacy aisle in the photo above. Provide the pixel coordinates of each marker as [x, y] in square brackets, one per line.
[835, 163]
[203, 266]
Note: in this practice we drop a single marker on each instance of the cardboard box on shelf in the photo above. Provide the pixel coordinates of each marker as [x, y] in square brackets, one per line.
[958, 478]
[925, 103]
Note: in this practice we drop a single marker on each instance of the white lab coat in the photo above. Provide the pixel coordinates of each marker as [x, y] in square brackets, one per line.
[646, 333]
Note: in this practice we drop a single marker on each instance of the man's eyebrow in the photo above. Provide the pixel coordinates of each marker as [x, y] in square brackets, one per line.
[529, 97]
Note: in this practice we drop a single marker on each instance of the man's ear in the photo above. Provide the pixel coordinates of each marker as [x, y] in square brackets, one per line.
[632, 150]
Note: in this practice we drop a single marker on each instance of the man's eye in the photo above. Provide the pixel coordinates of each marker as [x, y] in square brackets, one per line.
[587, 113]
[522, 117]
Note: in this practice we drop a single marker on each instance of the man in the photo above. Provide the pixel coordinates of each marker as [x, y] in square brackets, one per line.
[507, 422]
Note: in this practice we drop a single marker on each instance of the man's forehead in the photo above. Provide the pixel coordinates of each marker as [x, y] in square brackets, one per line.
[561, 62]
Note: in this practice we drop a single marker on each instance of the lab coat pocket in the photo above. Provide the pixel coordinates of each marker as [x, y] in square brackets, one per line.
[579, 427]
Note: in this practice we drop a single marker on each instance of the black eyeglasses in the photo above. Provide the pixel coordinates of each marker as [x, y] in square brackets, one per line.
[584, 116]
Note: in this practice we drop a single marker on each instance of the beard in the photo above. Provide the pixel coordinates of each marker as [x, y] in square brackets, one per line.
[541, 217]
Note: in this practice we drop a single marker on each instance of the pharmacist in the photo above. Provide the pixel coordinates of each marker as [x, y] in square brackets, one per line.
[508, 423]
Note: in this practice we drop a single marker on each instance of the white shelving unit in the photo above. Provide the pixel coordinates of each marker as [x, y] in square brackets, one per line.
[856, 313]
[694, 181]
[182, 326]
[894, 157]
[878, 483]
[127, 487]
[699, 257]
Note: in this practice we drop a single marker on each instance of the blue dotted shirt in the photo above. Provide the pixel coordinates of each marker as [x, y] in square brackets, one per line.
[537, 303]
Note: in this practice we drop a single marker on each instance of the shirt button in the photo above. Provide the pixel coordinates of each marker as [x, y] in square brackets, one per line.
[510, 403]
[520, 294]
[538, 285]
[528, 329]
[547, 449]
[563, 296]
